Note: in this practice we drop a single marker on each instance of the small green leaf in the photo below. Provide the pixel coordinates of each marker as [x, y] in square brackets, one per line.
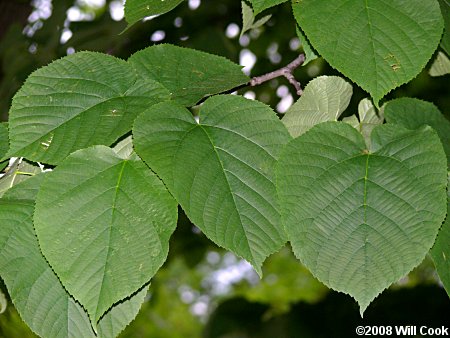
[324, 99]
[34, 288]
[440, 252]
[103, 224]
[360, 220]
[413, 113]
[357, 38]
[80, 100]
[248, 18]
[310, 54]
[221, 170]
[260, 5]
[440, 66]
[124, 148]
[189, 74]
[136, 10]
[368, 119]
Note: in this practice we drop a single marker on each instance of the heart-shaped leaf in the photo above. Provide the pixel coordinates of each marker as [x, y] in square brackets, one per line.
[324, 99]
[34, 288]
[189, 74]
[103, 223]
[80, 100]
[379, 44]
[221, 170]
[361, 220]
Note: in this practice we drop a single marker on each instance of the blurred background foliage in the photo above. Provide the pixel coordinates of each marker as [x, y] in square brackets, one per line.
[202, 290]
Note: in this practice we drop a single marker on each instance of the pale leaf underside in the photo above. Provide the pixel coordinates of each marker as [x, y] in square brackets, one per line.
[361, 220]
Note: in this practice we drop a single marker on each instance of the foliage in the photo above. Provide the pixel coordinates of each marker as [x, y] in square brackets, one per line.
[100, 150]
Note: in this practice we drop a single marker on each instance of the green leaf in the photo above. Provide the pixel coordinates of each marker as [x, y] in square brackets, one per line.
[379, 44]
[413, 113]
[248, 18]
[189, 74]
[260, 5]
[310, 54]
[136, 10]
[440, 66]
[34, 288]
[103, 224]
[221, 170]
[440, 252]
[19, 171]
[360, 220]
[445, 41]
[80, 100]
[324, 99]
[368, 120]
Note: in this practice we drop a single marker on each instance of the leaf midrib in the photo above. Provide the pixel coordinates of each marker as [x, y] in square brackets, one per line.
[230, 190]
[110, 229]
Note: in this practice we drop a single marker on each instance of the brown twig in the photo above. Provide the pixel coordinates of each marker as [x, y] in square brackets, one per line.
[286, 71]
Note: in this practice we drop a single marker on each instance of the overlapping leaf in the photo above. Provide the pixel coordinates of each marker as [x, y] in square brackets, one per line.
[379, 44]
[440, 253]
[221, 170]
[80, 100]
[260, 5]
[103, 223]
[310, 54]
[136, 10]
[188, 74]
[440, 66]
[248, 18]
[367, 119]
[34, 288]
[413, 113]
[361, 220]
[324, 99]
[19, 171]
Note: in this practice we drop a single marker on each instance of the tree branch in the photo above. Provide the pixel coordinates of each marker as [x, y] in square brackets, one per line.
[286, 71]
